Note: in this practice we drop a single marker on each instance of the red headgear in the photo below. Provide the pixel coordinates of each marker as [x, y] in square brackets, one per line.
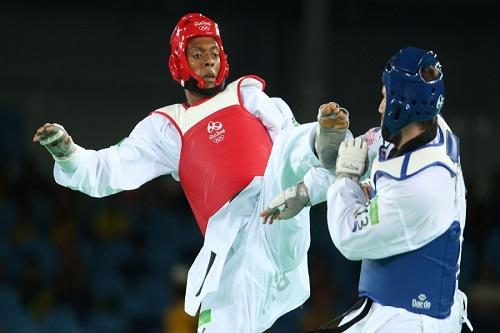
[190, 26]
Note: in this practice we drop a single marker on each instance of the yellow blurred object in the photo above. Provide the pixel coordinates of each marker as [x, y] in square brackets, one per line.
[178, 321]
[111, 223]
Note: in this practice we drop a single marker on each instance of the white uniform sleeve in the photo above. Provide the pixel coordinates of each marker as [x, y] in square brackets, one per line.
[151, 150]
[403, 216]
[317, 181]
[274, 113]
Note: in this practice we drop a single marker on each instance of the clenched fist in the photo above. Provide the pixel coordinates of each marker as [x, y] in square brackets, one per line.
[331, 130]
[55, 138]
[332, 115]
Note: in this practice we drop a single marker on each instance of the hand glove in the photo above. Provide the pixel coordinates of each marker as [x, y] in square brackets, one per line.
[57, 141]
[352, 158]
[287, 203]
[331, 130]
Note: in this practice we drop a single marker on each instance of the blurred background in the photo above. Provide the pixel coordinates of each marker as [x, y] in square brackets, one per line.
[70, 263]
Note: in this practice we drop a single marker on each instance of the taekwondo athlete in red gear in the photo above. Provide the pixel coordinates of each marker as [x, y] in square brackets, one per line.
[232, 148]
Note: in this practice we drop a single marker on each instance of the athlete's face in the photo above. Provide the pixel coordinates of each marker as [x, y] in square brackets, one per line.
[381, 107]
[203, 57]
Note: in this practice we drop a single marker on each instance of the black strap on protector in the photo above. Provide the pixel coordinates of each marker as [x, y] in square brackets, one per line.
[210, 263]
[333, 325]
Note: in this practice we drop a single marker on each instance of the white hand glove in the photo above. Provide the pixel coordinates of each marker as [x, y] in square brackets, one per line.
[57, 141]
[287, 203]
[352, 158]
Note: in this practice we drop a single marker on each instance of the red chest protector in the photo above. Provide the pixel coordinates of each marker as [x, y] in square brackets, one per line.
[223, 148]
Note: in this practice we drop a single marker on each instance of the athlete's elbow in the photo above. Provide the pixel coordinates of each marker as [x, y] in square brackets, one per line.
[350, 255]
[346, 249]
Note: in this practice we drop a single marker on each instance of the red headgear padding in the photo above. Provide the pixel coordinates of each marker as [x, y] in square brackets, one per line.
[190, 26]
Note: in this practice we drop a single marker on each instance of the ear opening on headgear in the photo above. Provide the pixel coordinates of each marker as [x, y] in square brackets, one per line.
[191, 26]
[431, 73]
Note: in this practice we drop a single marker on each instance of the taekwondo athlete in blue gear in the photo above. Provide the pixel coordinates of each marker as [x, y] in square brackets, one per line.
[409, 235]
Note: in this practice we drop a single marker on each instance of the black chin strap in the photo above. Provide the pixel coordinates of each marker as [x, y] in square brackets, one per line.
[192, 85]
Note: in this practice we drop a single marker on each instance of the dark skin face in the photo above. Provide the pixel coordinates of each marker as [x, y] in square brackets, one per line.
[202, 54]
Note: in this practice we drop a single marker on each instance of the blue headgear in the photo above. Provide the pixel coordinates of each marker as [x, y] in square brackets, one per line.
[409, 98]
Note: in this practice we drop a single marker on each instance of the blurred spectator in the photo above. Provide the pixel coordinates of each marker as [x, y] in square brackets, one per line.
[112, 220]
[175, 319]
[35, 294]
[71, 283]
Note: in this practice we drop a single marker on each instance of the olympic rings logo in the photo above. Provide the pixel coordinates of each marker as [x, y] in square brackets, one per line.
[218, 139]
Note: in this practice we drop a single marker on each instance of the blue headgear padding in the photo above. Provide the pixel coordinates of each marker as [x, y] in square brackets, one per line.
[409, 98]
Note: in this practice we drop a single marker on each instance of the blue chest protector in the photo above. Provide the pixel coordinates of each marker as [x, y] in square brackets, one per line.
[422, 281]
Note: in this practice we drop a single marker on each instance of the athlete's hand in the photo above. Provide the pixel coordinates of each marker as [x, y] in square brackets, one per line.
[55, 138]
[331, 130]
[287, 204]
[352, 159]
[332, 115]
